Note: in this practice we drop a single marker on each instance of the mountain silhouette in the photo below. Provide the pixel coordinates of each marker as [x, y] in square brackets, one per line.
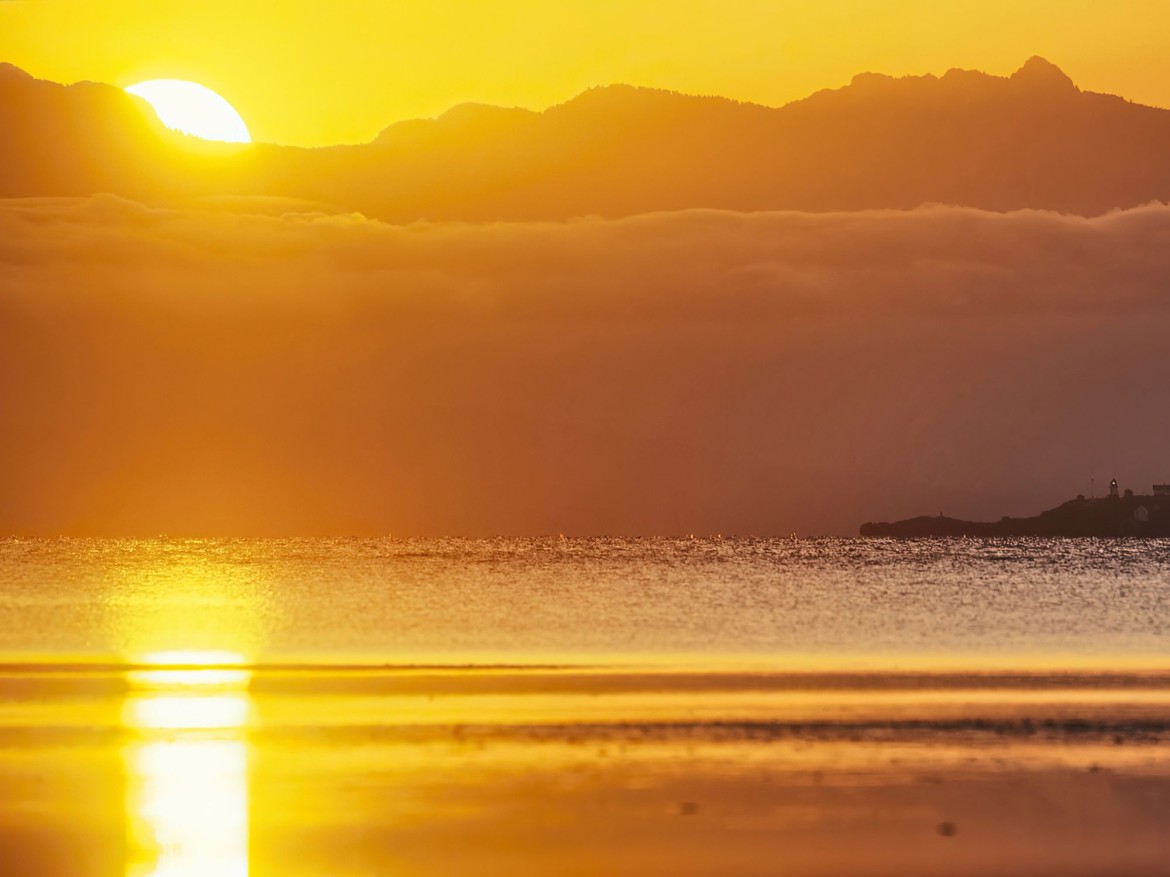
[76, 140]
[1031, 140]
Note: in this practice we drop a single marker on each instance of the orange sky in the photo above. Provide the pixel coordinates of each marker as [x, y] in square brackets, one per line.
[311, 73]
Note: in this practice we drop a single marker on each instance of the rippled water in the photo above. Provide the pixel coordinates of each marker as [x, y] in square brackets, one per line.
[593, 600]
[733, 707]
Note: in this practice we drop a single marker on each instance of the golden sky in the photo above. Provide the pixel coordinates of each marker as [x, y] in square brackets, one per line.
[310, 73]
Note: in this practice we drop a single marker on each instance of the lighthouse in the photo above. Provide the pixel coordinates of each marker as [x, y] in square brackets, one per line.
[1113, 489]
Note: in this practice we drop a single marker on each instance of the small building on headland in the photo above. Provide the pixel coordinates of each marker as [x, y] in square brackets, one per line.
[1121, 514]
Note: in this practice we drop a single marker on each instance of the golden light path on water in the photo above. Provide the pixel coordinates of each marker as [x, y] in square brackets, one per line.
[187, 767]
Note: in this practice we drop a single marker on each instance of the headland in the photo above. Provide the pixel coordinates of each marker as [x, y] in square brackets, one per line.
[1118, 514]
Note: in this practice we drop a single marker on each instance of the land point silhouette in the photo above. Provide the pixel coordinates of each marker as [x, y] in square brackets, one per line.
[1118, 514]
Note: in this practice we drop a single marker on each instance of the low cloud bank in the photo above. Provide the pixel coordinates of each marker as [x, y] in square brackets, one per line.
[236, 368]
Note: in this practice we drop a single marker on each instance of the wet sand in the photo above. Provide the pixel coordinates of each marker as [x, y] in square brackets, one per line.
[577, 771]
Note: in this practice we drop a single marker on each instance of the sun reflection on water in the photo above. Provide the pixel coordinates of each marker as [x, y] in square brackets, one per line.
[187, 767]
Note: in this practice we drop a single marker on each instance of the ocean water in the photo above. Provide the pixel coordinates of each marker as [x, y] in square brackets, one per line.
[233, 708]
[784, 603]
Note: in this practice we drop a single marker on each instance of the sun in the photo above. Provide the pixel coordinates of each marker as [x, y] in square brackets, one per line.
[193, 109]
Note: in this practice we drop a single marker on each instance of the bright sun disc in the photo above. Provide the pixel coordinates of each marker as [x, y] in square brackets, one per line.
[193, 109]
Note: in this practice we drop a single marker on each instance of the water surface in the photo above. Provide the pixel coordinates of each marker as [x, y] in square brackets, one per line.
[184, 708]
[842, 602]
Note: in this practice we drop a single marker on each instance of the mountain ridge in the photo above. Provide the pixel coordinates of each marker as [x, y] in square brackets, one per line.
[966, 138]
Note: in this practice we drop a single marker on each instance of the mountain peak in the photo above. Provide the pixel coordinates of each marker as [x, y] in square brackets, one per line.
[473, 111]
[12, 72]
[1039, 72]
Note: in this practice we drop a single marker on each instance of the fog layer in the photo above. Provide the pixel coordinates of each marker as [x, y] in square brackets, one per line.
[244, 368]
